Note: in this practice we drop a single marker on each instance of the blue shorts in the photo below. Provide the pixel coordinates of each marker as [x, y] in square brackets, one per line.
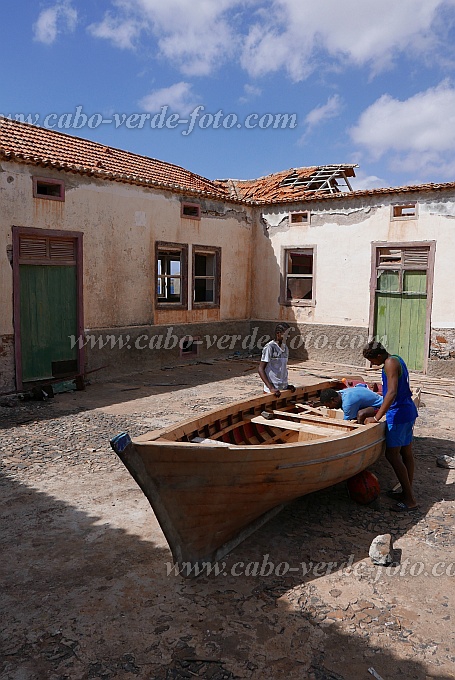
[399, 435]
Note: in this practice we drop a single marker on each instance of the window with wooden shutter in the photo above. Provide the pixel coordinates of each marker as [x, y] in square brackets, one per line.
[47, 250]
[33, 248]
[395, 267]
[62, 250]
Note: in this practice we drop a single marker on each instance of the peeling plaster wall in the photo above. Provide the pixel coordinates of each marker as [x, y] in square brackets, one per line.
[120, 224]
[442, 343]
[335, 278]
[442, 352]
[342, 232]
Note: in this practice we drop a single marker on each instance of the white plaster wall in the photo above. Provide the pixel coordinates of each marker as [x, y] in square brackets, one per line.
[120, 224]
[342, 233]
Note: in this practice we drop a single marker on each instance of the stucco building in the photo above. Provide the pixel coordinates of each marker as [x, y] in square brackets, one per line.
[114, 261]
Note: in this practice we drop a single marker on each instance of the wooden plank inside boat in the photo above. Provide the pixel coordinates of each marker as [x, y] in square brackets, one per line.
[299, 427]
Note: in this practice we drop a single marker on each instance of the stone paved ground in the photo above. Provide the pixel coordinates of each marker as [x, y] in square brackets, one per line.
[85, 593]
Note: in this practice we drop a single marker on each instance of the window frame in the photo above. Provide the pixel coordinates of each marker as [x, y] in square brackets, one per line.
[50, 182]
[398, 262]
[208, 250]
[401, 206]
[182, 248]
[304, 213]
[284, 276]
[186, 204]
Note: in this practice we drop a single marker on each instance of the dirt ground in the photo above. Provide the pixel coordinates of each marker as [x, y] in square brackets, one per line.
[85, 589]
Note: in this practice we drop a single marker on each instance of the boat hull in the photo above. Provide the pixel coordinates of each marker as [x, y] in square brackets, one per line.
[208, 498]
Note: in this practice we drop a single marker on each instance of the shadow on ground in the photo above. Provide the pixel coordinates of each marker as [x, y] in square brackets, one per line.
[85, 597]
[135, 388]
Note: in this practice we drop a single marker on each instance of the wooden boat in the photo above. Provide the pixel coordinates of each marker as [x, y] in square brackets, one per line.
[213, 480]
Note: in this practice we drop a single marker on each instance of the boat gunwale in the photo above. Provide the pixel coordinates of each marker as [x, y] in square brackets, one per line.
[168, 443]
[158, 435]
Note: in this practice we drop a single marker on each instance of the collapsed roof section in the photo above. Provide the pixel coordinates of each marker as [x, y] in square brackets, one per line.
[294, 184]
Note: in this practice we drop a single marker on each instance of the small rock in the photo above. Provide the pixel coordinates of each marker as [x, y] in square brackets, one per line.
[446, 462]
[380, 550]
[337, 615]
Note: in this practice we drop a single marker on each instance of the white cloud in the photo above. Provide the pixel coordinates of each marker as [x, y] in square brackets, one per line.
[178, 97]
[251, 92]
[54, 20]
[363, 181]
[420, 131]
[123, 33]
[196, 35]
[299, 36]
[331, 109]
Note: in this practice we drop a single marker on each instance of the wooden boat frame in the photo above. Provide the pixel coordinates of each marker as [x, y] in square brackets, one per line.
[213, 480]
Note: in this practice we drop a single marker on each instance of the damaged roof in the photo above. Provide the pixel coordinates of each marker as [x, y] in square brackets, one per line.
[41, 147]
[30, 144]
[291, 185]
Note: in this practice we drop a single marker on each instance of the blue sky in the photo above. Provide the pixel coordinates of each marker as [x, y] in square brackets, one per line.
[362, 82]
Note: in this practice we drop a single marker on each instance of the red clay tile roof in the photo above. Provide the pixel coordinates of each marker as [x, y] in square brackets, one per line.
[362, 193]
[47, 148]
[27, 143]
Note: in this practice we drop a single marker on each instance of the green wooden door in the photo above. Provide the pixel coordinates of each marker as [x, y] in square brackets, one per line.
[48, 316]
[400, 314]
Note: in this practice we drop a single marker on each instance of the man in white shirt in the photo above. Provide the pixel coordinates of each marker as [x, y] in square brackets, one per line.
[273, 368]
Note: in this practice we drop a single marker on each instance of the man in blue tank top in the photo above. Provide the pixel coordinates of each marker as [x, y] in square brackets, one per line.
[401, 413]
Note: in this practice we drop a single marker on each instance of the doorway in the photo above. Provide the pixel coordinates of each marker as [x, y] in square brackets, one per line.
[47, 271]
[402, 285]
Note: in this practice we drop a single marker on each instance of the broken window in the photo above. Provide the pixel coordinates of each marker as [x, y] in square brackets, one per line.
[53, 189]
[191, 210]
[406, 211]
[171, 274]
[206, 275]
[299, 217]
[299, 276]
[402, 269]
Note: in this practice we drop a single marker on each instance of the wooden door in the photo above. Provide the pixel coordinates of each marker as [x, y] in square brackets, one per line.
[402, 302]
[48, 320]
[47, 305]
